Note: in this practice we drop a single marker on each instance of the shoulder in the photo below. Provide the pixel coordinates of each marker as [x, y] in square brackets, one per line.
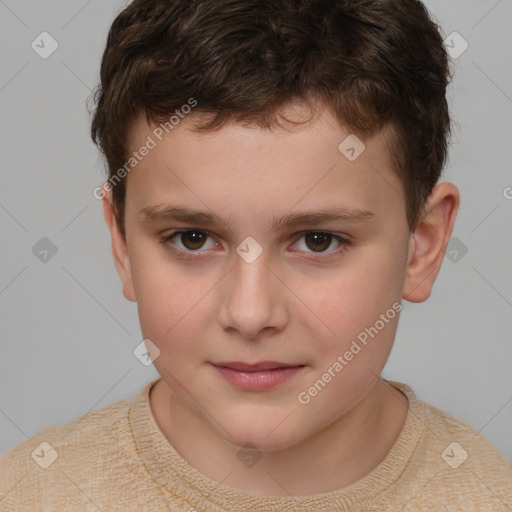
[456, 463]
[56, 455]
[447, 427]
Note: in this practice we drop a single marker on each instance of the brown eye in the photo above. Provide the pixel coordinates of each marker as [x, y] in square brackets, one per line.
[316, 244]
[187, 239]
[193, 240]
[318, 241]
[191, 244]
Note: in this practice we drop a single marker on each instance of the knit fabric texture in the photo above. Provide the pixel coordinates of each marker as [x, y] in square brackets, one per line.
[117, 458]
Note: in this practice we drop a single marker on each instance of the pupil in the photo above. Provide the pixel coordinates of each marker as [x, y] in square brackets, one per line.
[196, 238]
[317, 237]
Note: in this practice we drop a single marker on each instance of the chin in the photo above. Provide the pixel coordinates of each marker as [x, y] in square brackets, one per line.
[268, 435]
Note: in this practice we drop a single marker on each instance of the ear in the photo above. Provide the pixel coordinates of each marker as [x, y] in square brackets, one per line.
[119, 247]
[428, 242]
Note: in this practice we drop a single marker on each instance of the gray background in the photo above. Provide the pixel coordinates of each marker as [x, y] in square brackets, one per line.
[68, 334]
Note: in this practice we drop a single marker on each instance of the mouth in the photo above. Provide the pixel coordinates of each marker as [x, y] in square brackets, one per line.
[255, 367]
[256, 376]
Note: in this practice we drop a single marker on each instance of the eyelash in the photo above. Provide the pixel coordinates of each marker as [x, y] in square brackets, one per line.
[166, 241]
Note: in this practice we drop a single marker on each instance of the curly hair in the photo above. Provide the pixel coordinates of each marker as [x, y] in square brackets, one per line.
[372, 62]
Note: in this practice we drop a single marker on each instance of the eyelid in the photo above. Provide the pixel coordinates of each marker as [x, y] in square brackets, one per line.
[343, 239]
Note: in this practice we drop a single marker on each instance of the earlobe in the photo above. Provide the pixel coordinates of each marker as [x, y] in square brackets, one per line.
[429, 241]
[119, 246]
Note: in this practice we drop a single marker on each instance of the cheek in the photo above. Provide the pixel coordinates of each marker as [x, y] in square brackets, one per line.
[171, 303]
[352, 298]
[358, 321]
[174, 320]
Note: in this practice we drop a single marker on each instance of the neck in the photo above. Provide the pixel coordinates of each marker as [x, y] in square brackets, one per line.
[332, 458]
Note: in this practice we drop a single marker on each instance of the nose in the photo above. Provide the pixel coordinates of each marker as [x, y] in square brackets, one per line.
[253, 299]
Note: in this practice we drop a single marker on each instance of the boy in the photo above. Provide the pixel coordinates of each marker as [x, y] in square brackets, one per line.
[272, 197]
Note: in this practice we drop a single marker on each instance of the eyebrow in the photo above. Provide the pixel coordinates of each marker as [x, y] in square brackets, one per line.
[199, 217]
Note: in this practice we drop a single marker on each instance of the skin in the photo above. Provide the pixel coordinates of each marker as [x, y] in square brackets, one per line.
[283, 306]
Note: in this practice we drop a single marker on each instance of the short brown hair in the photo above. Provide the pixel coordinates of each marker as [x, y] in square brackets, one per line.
[372, 62]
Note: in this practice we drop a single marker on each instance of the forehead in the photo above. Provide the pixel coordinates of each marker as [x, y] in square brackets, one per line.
[305, 122]
[245, 166]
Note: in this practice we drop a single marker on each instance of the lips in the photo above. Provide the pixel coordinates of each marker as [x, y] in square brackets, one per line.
[255, 367]
[256, 377]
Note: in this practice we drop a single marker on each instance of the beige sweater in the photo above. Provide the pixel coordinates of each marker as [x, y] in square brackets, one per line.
[116, 458]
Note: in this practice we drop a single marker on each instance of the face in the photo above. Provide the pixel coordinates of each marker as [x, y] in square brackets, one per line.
[250, 288]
